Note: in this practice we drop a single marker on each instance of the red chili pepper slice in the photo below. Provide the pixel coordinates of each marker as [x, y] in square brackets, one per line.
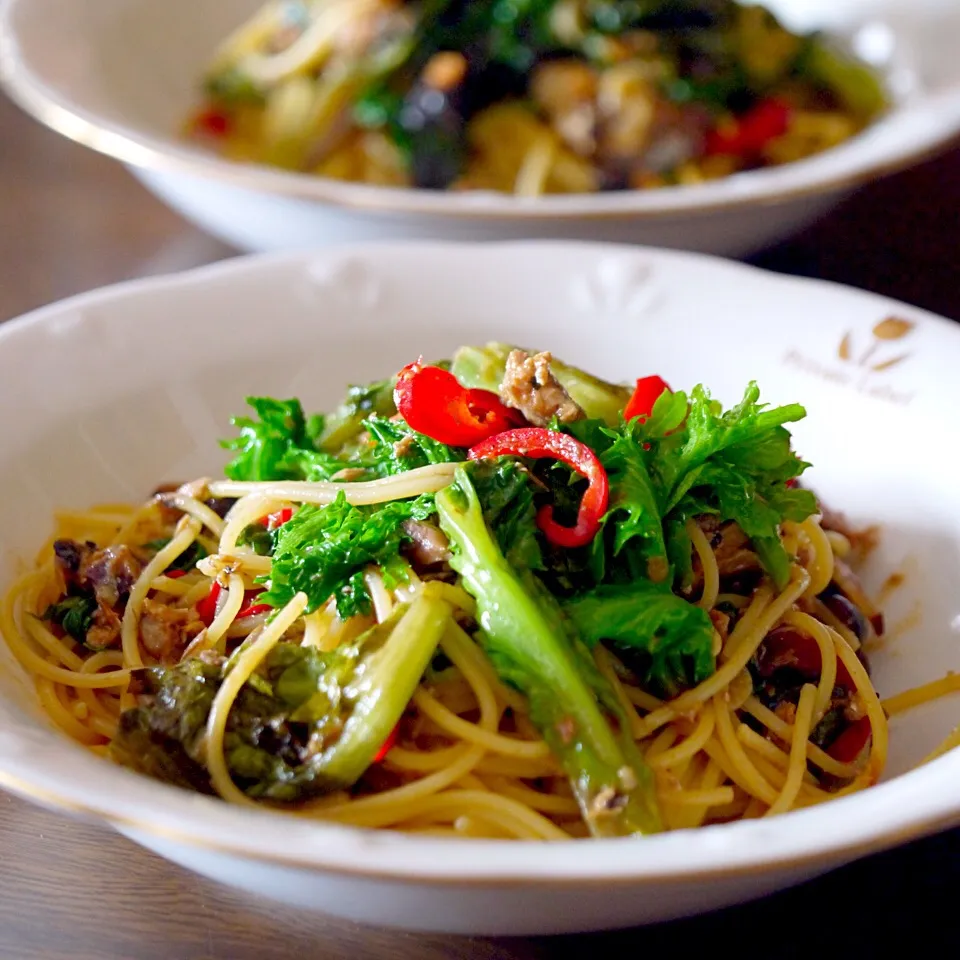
[387, 744]
[207, 606]
[849, 745]
[253, 609]
[273, 520]
[175, 574]
[538, 442]
[751, 132]
[433, 403]
[787, 647]
[648, 391]
[213, 122]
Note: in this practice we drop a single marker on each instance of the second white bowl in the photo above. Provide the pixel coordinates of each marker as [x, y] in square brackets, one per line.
[121, 76]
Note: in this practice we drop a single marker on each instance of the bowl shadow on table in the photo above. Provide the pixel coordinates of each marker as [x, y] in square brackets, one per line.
[881, 900]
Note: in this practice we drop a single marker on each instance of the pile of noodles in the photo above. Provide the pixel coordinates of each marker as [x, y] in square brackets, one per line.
[467, 761]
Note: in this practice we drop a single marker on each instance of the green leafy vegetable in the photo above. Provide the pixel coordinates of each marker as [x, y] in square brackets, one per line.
[257, 536]
[233, 87]
[311, 723]
[323, 551]
[187, 560]
[266, 448]
[673, 637]
[634, 511]
[73, 614]
[396, 448]
[505, 493]
[691, 458]
[758, 506]
[524, 634]
[737, 465]
[709, 431]
[312, 465]
[284, 444]
[345, 425]
[857, 87]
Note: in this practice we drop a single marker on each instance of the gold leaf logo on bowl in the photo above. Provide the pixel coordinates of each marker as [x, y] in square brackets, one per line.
[865, 359]
[888, 330]
[893, 328]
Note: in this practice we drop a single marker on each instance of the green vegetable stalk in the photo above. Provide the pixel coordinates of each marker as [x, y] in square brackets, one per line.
[483, 367]
[308, 723]
[524, 635]
[377, 676]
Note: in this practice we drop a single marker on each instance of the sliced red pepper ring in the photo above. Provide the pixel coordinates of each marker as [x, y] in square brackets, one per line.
[432, 402]
[175, 574]
[207, 606]
[787, 647]
[849, 745]
[213, 122]
[538, 443]
[273, 520]
[647, 392]
[388, 744]
[253, 609]
[752, 131]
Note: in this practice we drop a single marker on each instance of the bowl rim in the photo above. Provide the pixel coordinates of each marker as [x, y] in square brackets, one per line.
[66, 114]
[912, 805]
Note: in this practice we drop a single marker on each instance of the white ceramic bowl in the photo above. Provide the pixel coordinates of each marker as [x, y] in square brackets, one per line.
[105, 395]
[121, 75]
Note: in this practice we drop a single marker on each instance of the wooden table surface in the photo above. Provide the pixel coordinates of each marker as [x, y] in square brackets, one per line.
[70, 221]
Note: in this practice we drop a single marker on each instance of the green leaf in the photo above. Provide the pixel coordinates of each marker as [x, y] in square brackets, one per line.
[674, 637]
[323, 551]
[187, 560]
[679, 547]
[592, 433]
[345, 425]
[264, 444]
[734, 464]
[257, 536]
[759, 505]
[396, 448]
[667, 416]
[73, 614]
[312, 465]
[285, 445]
[634, 508]
[709, 431]
[505, 492]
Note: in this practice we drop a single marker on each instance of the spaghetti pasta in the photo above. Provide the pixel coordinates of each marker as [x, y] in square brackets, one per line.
[280, 682]
[553, 97]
